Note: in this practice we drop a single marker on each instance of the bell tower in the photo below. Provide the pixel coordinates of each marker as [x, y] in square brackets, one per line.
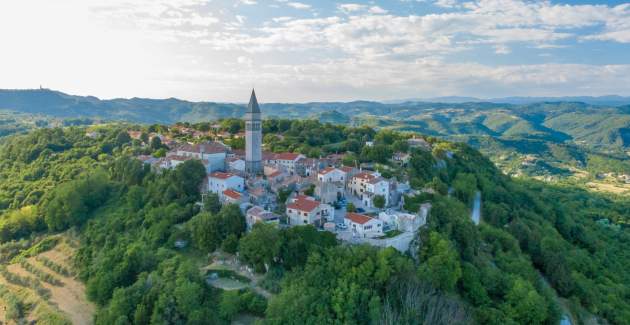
[253, 137]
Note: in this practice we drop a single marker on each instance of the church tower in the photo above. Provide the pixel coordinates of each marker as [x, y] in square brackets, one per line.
[253, 137]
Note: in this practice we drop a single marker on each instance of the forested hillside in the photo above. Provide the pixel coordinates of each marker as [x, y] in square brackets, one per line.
[129, 219]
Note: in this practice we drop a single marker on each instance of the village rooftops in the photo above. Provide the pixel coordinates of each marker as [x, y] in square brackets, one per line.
[328, 170]
[261, 213]
[286, 156]
[369, 177]
[209, 148]
[358, 218]
[232, 194]
[301, 203]
[221, 175]
[347, 169]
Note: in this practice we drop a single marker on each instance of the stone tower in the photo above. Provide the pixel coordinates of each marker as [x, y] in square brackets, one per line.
[253, 137]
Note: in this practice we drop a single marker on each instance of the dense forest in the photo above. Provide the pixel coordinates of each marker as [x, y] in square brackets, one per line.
[536, 242]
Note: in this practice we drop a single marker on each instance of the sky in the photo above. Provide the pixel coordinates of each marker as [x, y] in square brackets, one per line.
[301, 51]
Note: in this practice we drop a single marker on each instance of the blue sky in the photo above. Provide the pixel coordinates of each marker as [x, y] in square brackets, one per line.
[297, 51]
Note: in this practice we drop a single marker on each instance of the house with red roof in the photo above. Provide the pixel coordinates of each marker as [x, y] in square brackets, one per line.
[366, 185]
[363, 226]
[304, 210]
[230, 196]
[287, 161]
[220, 181]
[332, 174]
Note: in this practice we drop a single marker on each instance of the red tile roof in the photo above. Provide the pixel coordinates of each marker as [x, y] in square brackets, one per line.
[347, 169]
[327, 170]
[358, 218]
[303, 204]
[221, 175]
[286, 156]
[209, 148]
[232, 194]
[365, 175]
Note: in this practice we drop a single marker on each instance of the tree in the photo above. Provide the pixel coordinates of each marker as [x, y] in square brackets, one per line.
[350, 207]
[233, 220]
[441, 263]
[379, 201]
[230, 244]
[156, 143]
[212, 203]
[206, 230]
[122, 138]
[259, 247]
[524, 304]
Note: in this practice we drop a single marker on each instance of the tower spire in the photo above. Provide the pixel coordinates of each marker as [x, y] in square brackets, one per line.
[253, 103]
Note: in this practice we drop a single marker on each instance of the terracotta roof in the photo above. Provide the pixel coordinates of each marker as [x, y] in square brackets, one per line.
[221, 175]
[275, 174]
[365, 175]
[286, 156]
[303, 204]
[327, 170]
[358, 218]
[211, 147]
[347, 169]
[232, 194]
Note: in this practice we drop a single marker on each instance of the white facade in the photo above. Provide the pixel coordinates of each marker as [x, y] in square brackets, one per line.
[304, 210]
[331, 174]
[367, 185]
[363, 226]
[287, 161]
[219, 182]
[403, 221]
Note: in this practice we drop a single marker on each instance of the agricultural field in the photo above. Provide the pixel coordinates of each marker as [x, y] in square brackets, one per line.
[39, 285]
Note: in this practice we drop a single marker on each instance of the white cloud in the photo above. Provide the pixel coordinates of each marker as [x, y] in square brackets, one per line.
[248, 2]
[298, 5]
[377, 10]
[446, 3]
[350, 7]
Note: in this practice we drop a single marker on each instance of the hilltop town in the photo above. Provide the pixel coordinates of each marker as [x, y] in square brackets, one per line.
[354, 201]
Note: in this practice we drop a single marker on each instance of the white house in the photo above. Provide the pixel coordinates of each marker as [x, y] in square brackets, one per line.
[331, 174]
[258, 214]
[213, 152]
[403, 221]
[304, 210]
[363, 226]
[367, 185]
[287, 161]
[219, 182]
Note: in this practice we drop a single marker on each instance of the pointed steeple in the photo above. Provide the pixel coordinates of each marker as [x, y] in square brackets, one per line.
[253, 104]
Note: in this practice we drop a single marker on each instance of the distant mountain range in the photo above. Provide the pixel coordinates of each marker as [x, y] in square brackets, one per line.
[596, 125]
[611, 100]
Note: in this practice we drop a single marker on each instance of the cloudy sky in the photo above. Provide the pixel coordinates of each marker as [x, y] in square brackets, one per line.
[296, 51]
